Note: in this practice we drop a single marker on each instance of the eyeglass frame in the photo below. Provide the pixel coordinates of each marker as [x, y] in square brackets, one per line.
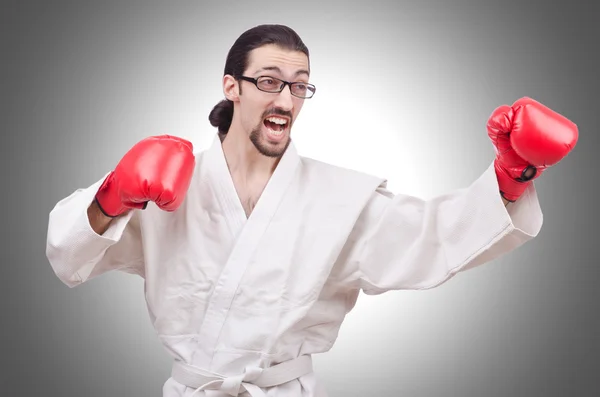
[285, 83]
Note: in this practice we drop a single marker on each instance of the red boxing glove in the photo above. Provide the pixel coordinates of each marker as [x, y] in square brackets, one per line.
[157, 169]
[528, 138]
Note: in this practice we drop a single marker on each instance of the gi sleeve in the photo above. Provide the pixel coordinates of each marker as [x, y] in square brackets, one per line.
[411, 243]
[78, 254]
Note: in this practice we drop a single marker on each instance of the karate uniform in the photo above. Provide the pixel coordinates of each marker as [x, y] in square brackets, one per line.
[230, 295]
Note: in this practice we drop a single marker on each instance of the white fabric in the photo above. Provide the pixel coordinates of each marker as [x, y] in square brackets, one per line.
[252, 380]
[226, 293]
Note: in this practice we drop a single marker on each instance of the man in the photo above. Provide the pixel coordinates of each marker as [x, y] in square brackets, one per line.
[252, 255]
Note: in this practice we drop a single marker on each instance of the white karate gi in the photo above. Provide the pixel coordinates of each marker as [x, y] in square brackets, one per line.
[229, 294]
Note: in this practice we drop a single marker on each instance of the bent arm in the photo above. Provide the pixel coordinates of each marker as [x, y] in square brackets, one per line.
[82, 244]
[403, 242]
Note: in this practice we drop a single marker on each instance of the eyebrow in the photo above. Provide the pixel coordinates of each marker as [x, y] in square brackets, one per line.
[275, 68]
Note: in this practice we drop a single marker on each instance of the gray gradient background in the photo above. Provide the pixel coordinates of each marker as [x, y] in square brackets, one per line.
[82, 82]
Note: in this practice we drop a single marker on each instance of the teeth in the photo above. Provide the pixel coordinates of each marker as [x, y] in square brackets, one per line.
[277, 120]
[276, 133]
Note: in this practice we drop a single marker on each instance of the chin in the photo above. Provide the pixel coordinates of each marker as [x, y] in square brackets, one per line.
[269, 147]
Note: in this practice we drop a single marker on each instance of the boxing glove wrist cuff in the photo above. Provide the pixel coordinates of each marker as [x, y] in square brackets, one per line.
[108, 199]
[102, 209]
[511, 188]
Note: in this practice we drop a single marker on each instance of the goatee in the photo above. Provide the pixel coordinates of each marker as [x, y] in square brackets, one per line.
[265, 149]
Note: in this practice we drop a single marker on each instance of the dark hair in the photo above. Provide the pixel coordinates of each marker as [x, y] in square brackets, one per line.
[237, 62]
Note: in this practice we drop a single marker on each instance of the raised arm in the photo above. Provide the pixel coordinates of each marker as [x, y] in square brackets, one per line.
[97, 229]
[403, 242]
[83, 243]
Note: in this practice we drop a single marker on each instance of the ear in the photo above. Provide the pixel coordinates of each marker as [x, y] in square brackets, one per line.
[230, 88]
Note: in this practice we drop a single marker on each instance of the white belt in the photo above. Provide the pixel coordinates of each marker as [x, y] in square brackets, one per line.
[251, 380]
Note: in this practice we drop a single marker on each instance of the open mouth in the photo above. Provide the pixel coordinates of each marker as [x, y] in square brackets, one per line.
[276, 125]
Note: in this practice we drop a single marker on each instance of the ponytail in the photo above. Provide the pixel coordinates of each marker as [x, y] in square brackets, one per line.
[221, 116]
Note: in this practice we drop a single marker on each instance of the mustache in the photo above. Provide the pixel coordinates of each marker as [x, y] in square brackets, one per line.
[277, 112]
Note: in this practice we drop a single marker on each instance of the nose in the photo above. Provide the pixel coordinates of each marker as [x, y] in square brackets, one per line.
[284, 99]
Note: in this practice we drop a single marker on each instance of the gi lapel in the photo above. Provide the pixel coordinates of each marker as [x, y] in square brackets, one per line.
[222, 184]
[248, 233]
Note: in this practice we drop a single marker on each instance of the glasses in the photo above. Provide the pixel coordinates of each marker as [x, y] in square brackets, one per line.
[275, 85]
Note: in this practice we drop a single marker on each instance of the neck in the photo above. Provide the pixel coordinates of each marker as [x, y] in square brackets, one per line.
[245, 162]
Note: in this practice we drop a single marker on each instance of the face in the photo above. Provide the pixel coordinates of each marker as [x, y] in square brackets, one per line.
[267, 118]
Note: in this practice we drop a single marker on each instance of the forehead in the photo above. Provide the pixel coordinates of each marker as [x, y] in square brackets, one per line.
[270, 56]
